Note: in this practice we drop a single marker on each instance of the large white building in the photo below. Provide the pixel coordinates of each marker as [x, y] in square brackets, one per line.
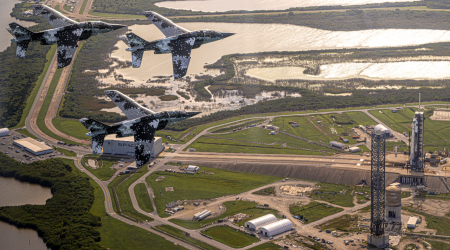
[260, 221]
[33, 146]
[4, 131]
[126, 146]
[276, 228]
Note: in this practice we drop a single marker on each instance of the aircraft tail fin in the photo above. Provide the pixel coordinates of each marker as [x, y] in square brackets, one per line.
[22, 37]
[98, 131]
[135, 41]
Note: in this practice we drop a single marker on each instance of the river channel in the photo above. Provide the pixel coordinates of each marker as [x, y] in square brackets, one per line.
[227, 5]
[14, 193]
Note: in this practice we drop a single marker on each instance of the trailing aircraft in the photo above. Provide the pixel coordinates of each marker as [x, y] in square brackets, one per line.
[142, 124]
[65, 33]
[179, 41]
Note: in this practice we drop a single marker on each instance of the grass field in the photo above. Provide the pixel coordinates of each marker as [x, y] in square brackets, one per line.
[36, 88]
[345, 223]
[186, 187]
[232, 208]
[71, 127]
[390, 145]
[104, 172]
[230, 236]
[175, 136]
[270, 191]
[83, 6]
[67, 8]
[66, 152]
[143, 198]
[124, 197]
[182, 234]
[314, 211]
[26, 132]
[121, 16]
[331, 193]
[266, 246]
[229, 128]
[438, 245]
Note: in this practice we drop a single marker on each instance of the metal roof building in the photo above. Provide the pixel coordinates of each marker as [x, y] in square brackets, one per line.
[276, 228]
[260, 221]
[125, 146]
[382, 128]
[192, 168]
[4, 131]
[33, 146]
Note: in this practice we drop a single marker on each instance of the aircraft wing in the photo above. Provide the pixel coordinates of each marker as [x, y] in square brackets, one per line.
[144, 133]
[67, 45]
[55, 18]
[181, 55]
[167, 27]
[128, 106]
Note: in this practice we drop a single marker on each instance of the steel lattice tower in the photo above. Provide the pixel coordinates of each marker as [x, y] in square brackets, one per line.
[377, 184]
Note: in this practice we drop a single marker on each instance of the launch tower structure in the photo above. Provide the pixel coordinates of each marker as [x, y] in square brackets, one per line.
[417, 155]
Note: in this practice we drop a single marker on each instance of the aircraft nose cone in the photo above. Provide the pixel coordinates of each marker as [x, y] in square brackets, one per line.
[225, 35]
[117, 26]
[191, 113]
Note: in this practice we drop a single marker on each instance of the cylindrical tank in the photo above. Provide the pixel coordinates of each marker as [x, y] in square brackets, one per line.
[393, 196]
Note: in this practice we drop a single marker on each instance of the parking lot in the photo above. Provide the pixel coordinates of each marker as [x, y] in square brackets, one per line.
[15, 152]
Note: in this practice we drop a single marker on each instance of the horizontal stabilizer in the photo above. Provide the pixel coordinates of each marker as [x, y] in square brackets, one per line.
[136, 56]
[19, 32]
[98, 131]
[125, 40]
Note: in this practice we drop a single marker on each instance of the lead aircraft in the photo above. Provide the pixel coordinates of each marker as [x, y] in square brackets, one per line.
[142, 124]
[65, 33]
[179, 41]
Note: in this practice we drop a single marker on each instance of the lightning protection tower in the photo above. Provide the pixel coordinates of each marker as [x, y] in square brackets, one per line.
[377, 237]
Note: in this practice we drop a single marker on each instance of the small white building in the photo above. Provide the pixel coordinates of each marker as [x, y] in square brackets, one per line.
[412, 222]
[4, 131]
[33, 146]
[260, 221]
[276, 228]
[192, 168]
[337, 144]
[382, 128]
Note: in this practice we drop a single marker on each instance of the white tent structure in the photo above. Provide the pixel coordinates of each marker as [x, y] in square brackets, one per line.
[382, 128]
[4, 131]
[276, 228]
[260, 221]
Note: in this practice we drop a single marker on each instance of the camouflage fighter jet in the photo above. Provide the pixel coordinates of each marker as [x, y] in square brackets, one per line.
[179, 41]
[142, 124]
[65, 33]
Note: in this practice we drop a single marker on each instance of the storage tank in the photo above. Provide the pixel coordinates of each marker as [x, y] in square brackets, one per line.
[201, 217]
[393, 203]
[4, 131]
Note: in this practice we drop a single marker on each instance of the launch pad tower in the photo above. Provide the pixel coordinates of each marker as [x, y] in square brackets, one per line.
[417, 155]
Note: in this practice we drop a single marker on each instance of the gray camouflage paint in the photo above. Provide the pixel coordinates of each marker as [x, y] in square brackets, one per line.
[178, 41]
[142, 124]
[65, 33]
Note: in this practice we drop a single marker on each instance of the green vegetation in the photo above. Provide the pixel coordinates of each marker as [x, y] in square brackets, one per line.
[36, 88]
[215, 183]
[183, 94]
[67, 8]
[438, 244]
[166, 98]
[104, 171]
[26, 132]
[390, 145]
[266, 246]
[232, 208]
[440, 224]
[337, 194]
[72, 199]
[314, 211]
[229, 128]
[121, 186]
[182, 234]
[66, 152]
[270, 191]
[230, 236]
[143, 198]
[83, 6]
[345, 223]
[71, 127]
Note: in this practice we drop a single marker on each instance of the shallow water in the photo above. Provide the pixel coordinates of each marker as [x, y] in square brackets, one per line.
[251, 38]
[394, 70]
[227, 5]
[5, 20]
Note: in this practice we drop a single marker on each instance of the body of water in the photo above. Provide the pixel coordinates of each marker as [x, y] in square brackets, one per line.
[5, 20]
[418, 70]
[227, 5]
[252, 38]
[14, 193]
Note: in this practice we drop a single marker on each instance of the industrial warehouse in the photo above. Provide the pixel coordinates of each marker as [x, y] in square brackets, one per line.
[126, 146]
[33, 146]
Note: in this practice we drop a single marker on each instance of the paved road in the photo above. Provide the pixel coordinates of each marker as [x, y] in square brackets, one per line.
[395, 133]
